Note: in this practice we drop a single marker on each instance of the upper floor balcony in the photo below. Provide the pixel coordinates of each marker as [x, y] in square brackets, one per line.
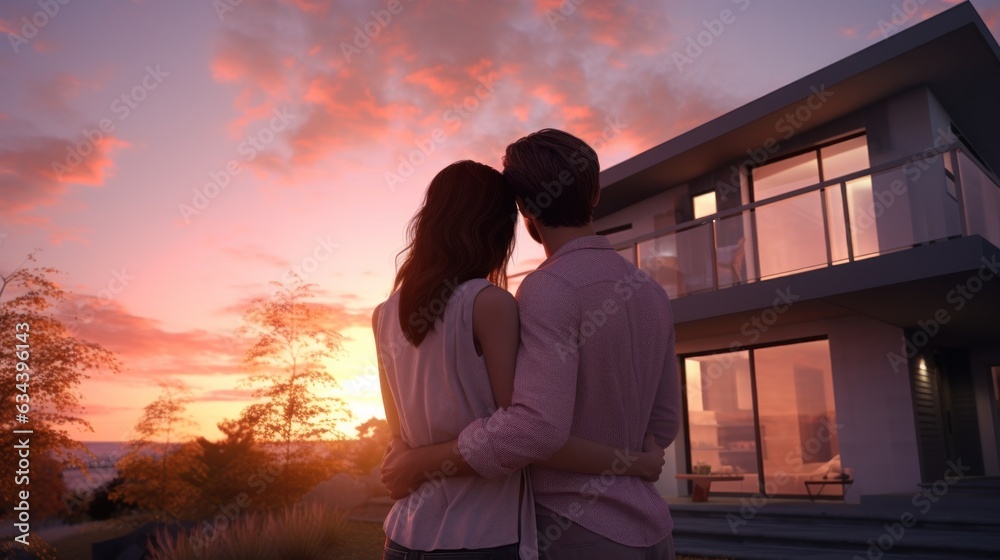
[932, 196]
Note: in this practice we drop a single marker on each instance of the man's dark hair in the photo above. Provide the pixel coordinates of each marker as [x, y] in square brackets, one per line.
[556, 175]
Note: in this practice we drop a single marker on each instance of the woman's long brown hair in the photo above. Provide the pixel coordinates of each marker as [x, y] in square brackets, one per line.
[464, 230]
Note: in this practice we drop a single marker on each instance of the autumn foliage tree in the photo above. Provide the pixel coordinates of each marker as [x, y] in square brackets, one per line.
[159, 457]
[291, 345]
[56, 364]
[373, 436]
[232, 466]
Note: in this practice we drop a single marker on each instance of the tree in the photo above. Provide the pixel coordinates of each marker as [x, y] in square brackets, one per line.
[48, 385]
[233, 466]
[155, 466]
[373, 436]
[291, 341]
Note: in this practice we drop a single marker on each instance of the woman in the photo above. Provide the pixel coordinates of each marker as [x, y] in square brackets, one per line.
[447, 341]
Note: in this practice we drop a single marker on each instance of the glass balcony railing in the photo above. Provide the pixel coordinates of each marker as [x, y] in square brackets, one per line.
[889, 207]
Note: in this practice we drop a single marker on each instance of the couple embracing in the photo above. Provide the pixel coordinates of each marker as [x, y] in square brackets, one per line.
[531, 427]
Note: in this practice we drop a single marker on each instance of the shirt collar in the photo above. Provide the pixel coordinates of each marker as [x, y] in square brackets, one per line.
[585, 242]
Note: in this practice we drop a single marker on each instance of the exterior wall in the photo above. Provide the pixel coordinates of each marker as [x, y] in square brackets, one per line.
[643, 216]
[942, 135]
[876, 430]
[915, 205]
[875, 406]
[982, 360]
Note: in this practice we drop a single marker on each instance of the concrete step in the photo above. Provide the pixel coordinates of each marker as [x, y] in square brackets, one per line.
[958, 528]
[843, 534]
[710, 547]
[885, 508]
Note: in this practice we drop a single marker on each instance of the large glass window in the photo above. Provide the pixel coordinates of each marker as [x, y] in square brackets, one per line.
[785, 176]
[797, 416]
[788, 427]
[720, 418]
[795, 234]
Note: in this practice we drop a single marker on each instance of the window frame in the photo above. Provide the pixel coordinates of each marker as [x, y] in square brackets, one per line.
[815, 149]
[682, 370]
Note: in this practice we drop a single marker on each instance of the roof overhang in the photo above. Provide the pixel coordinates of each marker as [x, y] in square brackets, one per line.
[953, 54]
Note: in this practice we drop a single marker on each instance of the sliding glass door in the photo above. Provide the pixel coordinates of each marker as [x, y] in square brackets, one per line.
[721, 418]
[764, 413]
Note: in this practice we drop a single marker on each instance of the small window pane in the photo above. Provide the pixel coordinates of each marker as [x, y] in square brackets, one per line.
[704, 205]
[844, 158]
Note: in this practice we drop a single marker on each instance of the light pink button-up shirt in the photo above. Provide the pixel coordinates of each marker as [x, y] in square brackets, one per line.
[596, 360]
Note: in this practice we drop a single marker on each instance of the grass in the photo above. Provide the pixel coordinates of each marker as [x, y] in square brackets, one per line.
[301, 534]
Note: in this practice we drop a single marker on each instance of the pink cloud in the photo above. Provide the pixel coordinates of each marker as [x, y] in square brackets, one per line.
[43, 46]
[37, 171]
[849, 32]
[225, 395]
[146, 350]
[54, 95]
[256, 255]
[338, 317]
[397, 85]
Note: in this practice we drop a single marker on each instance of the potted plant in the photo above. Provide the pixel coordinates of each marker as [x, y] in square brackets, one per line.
[702, 468]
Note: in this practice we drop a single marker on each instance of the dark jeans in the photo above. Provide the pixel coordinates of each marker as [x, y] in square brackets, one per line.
[561, 539]
[396, 551]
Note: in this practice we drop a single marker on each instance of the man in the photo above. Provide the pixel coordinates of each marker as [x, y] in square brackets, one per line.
[596, 360]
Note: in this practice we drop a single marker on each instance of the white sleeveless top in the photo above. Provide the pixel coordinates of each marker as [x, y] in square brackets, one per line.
[439, 388]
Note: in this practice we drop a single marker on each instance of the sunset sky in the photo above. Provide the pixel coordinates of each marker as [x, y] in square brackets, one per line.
[174, 157]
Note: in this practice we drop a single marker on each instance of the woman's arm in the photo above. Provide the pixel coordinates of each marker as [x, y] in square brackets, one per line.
[497, 330]
[391, 414]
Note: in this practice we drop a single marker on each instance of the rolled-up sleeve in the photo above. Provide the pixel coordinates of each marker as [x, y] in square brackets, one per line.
[665, 419]
[538, 422]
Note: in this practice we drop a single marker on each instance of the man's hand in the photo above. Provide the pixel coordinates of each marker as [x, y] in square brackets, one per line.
[651, 461]
[400, 472]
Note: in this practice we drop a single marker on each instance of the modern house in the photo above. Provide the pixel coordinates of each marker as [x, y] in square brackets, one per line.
[832, 251]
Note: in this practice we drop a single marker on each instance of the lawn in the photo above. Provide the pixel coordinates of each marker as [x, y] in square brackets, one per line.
[363, 541]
